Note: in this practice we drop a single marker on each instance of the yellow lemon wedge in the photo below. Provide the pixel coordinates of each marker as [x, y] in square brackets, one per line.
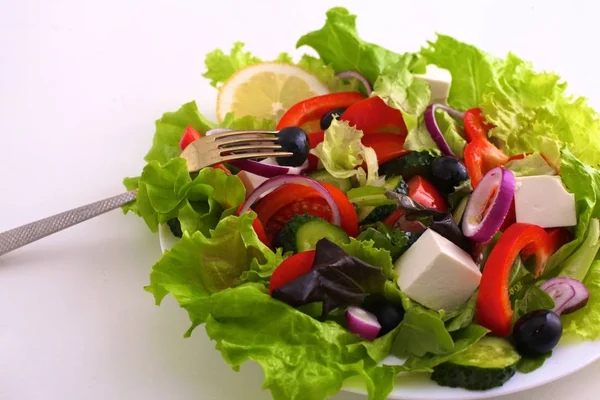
[267, 90]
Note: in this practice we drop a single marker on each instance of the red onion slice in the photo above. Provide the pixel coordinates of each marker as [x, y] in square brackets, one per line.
[569, 294]
[356, 75]
[489, 205]
[433, 128]
[268, 167]
[278, 181]
[362, 323]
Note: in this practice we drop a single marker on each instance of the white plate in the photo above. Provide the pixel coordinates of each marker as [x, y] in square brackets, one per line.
[569, 356]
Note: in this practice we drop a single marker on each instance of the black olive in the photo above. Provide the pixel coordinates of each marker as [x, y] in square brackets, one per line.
[294, 140]
[537, 333]
[328, 117]
[388, 315]
[447, 173]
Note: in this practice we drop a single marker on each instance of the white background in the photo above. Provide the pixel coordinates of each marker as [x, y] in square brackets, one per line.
[81, 84]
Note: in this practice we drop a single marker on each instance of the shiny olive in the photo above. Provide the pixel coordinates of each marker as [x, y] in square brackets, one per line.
[447, 173]
[537, 333]
[294, 140]
[328, 117]
[388, 315]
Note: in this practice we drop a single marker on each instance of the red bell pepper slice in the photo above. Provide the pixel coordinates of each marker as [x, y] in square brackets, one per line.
[190, 135]
[557, 236]
[291, 269]
[476, 128]
[481, 156]
[372, 115]
[316, 107]
[258, 227]
[493, 302]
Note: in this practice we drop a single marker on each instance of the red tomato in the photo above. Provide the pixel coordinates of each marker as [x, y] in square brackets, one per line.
[476, 128]
[279, 206]
[314, 139]
[423, 193]
[291, 269]
[258, 227]
[315, 108]
[372, 115]
[480, 157]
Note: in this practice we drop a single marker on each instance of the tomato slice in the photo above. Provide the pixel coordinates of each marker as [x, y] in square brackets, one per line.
[372, 115]
[424, 193]
[279, 206]
[476, 128]
[190, 135]
[314, 139]
[291, 269]
[315, 108]
[480, 157]
[258, 227]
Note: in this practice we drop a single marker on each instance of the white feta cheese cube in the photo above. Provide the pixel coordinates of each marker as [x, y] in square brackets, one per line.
[544, 201]
[437, 273]
[439, 81]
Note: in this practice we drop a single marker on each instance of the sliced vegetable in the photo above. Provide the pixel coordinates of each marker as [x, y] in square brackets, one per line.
[258, 228]
[434, 129]
[569, 294]
[316, 107]
[409, 164]
[302, 233]
[362, 323]
[313, 140]
[537, 332]
[344, 184]
[387, 146]
[337, 279]
[357, 76]
[486, 364]
[558, 237]
[190, 135]
[291, 268]
[489, 205]
[476, 128]
[278, 181]
[389, 315]
[267, 168]
[372, 115]
[424, 193]
[493, 304]
[480, 157]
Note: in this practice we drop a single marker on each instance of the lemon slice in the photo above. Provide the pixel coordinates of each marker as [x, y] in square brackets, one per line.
[267, 90]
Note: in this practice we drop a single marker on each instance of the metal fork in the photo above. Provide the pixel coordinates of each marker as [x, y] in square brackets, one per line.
[204, 152]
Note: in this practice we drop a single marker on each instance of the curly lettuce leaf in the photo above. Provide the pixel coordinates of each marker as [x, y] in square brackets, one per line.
[168, 191]
[220, 66]
[422, 331]
[170, 128]
[585, 322]
[341, 150]
[419, 138]
[339, 45]
[531, 110]
[531, 165]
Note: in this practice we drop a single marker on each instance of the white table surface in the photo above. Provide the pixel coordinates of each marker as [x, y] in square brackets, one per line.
[81, 84]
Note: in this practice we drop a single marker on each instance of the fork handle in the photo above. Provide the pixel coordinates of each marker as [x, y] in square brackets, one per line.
[19, 237]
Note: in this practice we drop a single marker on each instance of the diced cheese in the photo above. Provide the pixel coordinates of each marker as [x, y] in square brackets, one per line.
[439, 81]
[437, 273]
[544, 201]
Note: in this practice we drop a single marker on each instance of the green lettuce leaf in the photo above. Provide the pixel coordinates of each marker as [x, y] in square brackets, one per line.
[578, 264]
[199, 265]
[341, 150]
[585, 322]
[533, 164]
[220, 66]
[168, 191]
[584, 182]
[309, 362]
[339, 45]
[422, 331]
[530, 364]
[386, 238]
[400, 89]
[170, 128]
[531, 110]
[462, 339]
[419, 138]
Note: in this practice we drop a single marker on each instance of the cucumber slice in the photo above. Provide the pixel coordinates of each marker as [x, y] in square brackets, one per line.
[323, 176]
[311, 232]
[487, 364]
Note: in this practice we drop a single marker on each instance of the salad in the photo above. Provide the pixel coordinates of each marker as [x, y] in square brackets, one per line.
[440, 206]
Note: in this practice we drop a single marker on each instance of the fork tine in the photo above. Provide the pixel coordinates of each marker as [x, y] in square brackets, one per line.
[229, 142]
[238, 133]
[255, 155]
[237, 149]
